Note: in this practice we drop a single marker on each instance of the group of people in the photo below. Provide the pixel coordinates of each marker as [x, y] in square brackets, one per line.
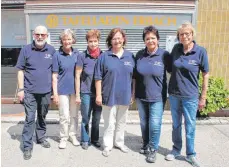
[106, 82]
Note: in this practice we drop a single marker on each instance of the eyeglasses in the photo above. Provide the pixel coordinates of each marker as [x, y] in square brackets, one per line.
[42, 35]
[115, 39]
[186, 34]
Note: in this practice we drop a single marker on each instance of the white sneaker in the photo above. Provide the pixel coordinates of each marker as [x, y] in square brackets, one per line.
[123, 148]
[106, 152]
[62, 144]
[74, 141]
[172, 155]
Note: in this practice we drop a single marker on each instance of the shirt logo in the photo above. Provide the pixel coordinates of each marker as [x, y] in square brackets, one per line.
[127, 63]
[192, 62]
[48, 56]
[157, 63]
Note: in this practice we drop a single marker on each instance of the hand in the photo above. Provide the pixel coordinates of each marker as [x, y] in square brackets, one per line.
[202, 103]
[132, 99]
[56, 99]
[99, 100]
[21, 95]
[78, 100]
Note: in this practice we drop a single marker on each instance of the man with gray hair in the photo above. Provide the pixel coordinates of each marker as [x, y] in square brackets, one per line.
[34, 83]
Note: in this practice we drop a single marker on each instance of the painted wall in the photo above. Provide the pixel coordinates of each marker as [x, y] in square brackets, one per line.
[213, 34]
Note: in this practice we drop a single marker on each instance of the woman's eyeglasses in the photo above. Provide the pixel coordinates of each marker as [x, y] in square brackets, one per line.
[185, 34]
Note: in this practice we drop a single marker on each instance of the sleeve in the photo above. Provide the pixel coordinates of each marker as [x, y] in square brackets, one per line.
[80, 60]
[168, 67]
[21, 59]
[55, 63]
[135, 67]
[204, 64]
[99, 70]
[168, 61]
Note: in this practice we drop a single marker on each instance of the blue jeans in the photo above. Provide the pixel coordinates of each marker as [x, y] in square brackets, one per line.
[187, 106]
[32, 103]
[88, 105]
[150, 114]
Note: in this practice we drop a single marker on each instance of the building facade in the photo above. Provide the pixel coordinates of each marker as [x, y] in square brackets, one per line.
[19, 18]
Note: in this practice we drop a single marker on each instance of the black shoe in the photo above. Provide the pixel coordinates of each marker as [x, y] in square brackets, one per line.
[144, 149]
[27, 154]
[151, 157]
[96, 144]
[84, 145]
[45, 144]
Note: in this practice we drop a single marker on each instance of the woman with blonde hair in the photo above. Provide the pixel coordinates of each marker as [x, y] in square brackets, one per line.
[85, 90]
[64, 62]
[187, 60]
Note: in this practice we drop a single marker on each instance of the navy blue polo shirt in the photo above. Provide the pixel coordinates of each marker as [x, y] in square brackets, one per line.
[87, 63]
[37, 66]
[186, 69]
[64, 64]
[116, 75]
[150, 74]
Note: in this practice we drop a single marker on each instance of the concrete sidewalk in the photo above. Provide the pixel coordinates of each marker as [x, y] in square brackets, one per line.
[133, 118]
[211, 144]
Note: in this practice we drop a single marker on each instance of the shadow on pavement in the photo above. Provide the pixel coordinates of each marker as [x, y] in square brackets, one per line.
[132, 141]
[15, 133]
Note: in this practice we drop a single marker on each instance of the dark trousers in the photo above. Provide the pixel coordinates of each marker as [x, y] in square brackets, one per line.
[89, 106]
[33, 102]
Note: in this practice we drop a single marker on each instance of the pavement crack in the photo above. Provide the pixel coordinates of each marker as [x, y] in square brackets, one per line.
[222, 132]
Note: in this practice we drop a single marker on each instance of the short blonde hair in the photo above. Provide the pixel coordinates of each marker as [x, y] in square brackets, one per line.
[93, 33]
[185, 25]
[67, 32]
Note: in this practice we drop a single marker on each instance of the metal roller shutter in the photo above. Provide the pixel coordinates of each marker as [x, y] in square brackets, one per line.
[134, 38]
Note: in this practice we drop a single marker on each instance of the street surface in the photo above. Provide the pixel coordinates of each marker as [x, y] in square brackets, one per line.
[212, 146]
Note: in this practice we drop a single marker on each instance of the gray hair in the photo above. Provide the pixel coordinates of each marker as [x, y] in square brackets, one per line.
[188, 25]
[40, 27]
[67, 32]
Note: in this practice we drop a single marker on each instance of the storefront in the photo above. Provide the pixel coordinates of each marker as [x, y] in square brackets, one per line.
[13, 38]
[132, 16]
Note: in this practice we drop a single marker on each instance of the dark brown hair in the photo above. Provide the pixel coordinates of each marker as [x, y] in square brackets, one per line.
[150, 29]
[112, 34]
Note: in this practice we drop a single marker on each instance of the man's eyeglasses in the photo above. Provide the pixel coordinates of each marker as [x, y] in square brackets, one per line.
[42, 35]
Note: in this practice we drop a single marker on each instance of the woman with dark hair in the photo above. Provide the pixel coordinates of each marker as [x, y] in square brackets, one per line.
[151, 89]
[187, 60]
[113, 79]
[85, 90]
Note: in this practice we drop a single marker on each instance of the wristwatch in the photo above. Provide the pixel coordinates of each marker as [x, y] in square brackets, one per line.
[20, 89]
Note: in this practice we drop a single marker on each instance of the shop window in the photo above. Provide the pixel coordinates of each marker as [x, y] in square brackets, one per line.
[9, 56]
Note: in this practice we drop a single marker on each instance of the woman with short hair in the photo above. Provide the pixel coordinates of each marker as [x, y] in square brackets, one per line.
[64, 62]
[188, 59]
[151, 90]
[85, 90]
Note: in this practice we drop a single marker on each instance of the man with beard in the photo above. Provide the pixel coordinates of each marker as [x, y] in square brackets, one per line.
[34, 83]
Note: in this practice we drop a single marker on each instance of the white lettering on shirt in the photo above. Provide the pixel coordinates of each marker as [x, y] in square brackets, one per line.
[48, 56]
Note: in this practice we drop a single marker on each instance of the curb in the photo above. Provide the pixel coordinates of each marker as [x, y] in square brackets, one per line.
[210, 121]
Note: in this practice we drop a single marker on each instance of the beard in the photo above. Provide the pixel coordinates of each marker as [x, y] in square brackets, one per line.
[40, 43]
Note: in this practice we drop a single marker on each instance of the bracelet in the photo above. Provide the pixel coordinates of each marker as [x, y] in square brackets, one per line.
[21, 89]
[203, 97]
